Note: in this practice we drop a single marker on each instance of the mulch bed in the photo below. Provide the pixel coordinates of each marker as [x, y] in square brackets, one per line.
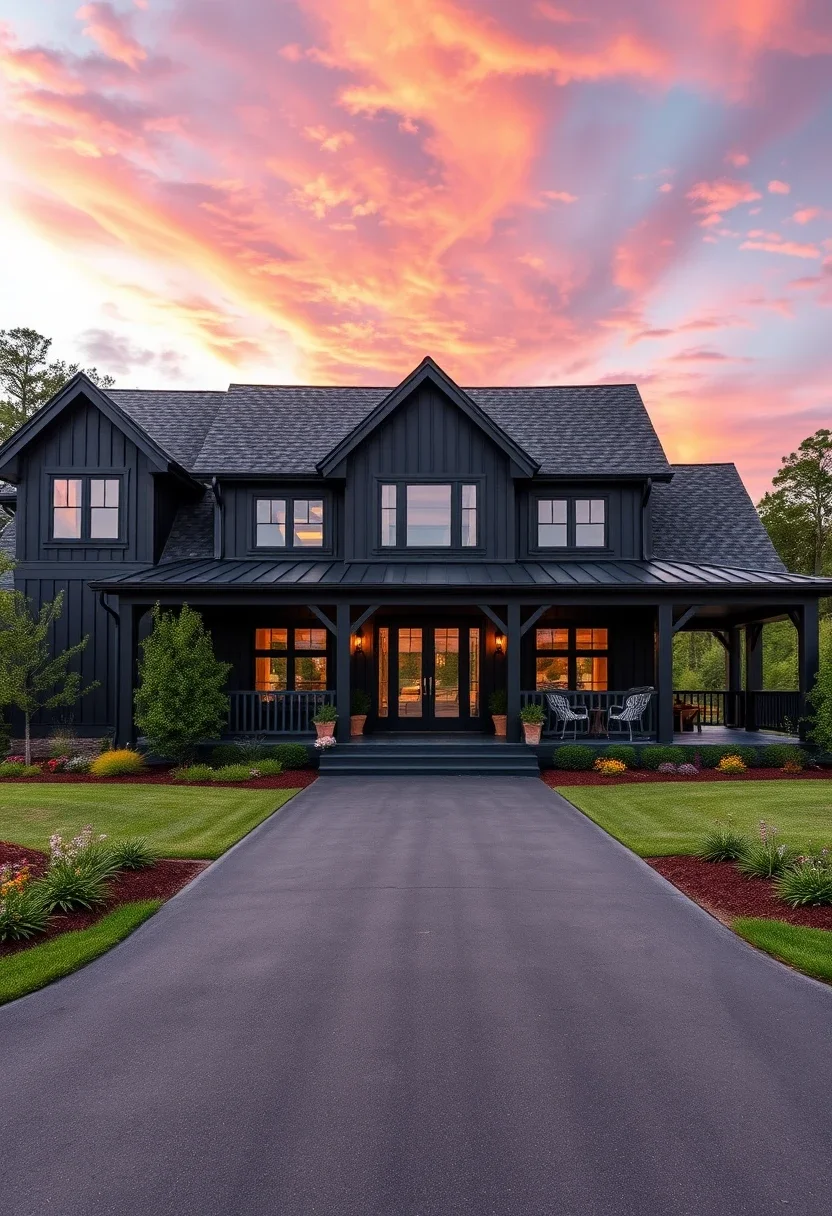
[160, 881]
[294, 779]
[723, 891]
[555, 777]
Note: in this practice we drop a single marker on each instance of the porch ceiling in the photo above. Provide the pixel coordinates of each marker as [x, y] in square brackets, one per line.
[596, 575]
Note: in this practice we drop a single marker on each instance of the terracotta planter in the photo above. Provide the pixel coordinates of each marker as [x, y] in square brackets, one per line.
[357, 723]
[499, 721]
[532, 732]
[325, 730]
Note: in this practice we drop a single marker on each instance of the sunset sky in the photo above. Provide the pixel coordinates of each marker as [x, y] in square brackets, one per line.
[200, 191]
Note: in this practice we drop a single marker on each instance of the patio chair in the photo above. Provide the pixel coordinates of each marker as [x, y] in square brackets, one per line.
[565, 713]
[633, 709]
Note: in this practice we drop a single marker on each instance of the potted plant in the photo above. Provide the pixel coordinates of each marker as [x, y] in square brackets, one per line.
[532, 717]
[360, 707]
[325, 720]
[498, 704]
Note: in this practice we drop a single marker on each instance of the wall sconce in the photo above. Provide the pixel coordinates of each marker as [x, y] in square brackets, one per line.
[500, 644]
[359, 643]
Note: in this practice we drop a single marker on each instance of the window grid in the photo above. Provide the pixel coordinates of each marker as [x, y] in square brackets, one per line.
[469, 516]
[86, 509]
[301, 664]
[575, 658]
[552, 523]
[429, 515]
[388, 516]
[578, 523]
[288, 523]
[66, 508]
[104, 496]
[271, 523]
[590, 523]
[309, 523]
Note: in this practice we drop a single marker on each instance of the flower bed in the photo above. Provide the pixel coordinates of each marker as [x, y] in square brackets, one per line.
[163, 879]
[291, 779]
[563, 777]
[726, 893]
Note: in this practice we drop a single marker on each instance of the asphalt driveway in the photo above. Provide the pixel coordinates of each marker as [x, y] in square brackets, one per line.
[439, 997]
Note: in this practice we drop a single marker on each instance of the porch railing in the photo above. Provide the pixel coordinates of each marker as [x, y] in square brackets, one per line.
[597, 722]
[275, 713]
[759, 710]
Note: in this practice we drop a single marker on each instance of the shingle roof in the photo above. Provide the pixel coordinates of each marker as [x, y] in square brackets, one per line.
[8, 543]
[706, 515]
[597, 574]
[192, 532]
[178, 421]
[288, 429]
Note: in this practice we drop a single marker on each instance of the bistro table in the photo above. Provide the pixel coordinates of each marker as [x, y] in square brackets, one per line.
[597, 725]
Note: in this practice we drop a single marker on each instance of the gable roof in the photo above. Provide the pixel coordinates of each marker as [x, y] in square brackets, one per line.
[177, 420]
[428, 370]
[705, 514]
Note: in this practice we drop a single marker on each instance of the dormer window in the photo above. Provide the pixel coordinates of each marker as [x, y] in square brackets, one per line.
[86, 508]
[429, 515]
[571, 523]
[272, 516]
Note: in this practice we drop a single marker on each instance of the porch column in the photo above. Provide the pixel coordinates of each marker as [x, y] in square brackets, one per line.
[664, 672]
[753, 672]
[732, 715]
[513, 672]
[342, 673]
[125, 734]
[808, 654]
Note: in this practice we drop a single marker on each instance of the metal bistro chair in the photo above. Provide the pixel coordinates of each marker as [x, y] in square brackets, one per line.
[566, 713]
[633, 709]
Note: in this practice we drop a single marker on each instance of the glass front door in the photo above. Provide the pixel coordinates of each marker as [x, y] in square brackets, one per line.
[428, 677]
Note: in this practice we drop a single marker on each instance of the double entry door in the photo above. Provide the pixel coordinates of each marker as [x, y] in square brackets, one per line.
[429, 677]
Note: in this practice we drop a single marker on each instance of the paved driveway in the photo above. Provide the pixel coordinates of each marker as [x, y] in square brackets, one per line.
[440, 997]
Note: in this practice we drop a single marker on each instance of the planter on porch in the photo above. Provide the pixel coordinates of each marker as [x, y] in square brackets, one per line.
[498, 704]
[532, 732]
[532, 716]
[324, 721]
[360, 707]
[324, 730]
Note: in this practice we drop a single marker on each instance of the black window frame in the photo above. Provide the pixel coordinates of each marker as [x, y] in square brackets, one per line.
[572, 652]
[455, 547]
[85, 476]
[290, 497]
[571, 545]
[291, 654]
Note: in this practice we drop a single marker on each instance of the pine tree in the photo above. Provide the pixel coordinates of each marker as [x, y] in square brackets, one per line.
[181, 697]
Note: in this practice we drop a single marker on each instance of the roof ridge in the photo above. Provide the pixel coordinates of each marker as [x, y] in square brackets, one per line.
[520, 388]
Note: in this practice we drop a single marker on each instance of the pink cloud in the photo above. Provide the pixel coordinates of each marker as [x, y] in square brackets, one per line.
[806, 214]
[559, 196]
[665, 188]
[716, 197]
[791, 248]
[111, 33]
[737, 159]
[778, 187]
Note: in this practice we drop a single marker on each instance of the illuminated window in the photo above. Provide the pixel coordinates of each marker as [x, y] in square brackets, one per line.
[300, 665]
[309, 523]
[273, 517]
[429, 515]
[571, 658]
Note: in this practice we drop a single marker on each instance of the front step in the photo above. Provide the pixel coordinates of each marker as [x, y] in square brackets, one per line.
[480, 758]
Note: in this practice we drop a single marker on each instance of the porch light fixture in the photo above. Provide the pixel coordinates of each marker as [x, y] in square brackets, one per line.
[500, 644]
[359, 643]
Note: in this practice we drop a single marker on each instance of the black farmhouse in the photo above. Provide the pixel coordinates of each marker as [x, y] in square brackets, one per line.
[428, 544]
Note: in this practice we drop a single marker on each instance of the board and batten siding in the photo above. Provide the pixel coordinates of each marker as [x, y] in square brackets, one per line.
[624, 514]
[428, 437]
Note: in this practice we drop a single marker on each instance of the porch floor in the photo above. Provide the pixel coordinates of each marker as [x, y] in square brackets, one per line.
[721, 736]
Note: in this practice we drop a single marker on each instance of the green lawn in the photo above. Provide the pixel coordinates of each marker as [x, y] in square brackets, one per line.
[666, 818]
[809, 950]
[38, 966]
[179, 822]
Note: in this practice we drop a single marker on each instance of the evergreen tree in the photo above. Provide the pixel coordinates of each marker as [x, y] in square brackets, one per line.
[28, 380]
[798, 512]
[181, 697]
[31, 676]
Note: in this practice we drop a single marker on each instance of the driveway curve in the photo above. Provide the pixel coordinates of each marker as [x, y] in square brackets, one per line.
[426, 998]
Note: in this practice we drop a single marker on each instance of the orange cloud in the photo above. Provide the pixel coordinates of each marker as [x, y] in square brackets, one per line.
[716, 197]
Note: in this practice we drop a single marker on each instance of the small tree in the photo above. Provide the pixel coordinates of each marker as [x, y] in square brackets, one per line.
[31, 676]
[181, 696]
[819, 700]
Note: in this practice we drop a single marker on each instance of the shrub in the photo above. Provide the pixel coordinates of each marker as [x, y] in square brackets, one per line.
[77, 764]
[687, 770]
[70, 887]
[84, 851]
[226, 753]
[711, 754]
[269, 768]
[765, 858]
[181, 696]
[326, 713]
[778, 755]
[723, 843]
[132, 854]
[62, 742]
[193, 772]
[498, 701]
[533, 714]
[232, 772]
[291, 755]
[360, 702]
[667, 767]
[731, 764]
[819, 703]
[17, 768]
[807, 882]
[573, 756]
[123, 762]
[623, 752]
[791, 768]
[609, 767]
[22, 910]
[655, 754]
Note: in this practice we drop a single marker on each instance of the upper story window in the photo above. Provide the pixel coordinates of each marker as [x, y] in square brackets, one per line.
[307, 519]
[571, 523]
[429, 515]
[86, 508]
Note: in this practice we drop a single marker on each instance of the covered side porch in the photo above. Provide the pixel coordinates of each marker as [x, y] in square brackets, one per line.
[428, 661]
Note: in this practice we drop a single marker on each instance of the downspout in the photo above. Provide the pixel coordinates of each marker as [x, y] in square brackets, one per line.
[116, 661]
[646, 550]
[218, 517]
